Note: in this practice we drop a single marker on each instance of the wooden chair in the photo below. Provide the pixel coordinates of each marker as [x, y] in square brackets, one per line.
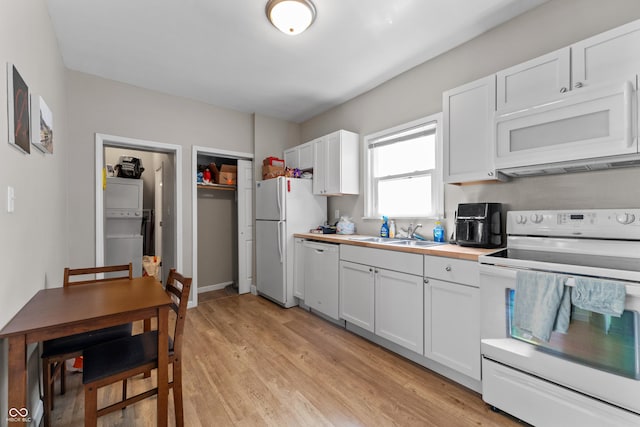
[55, 352]
[126, 357]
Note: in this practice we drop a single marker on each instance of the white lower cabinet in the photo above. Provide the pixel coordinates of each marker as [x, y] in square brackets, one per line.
[399, 308]
[321, 278]
[452, 315]
[357, 294]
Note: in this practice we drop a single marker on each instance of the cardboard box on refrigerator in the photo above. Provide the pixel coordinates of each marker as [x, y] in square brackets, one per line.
[270, 172]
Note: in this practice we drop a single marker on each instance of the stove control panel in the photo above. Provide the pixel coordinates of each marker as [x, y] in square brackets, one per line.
[587, 223]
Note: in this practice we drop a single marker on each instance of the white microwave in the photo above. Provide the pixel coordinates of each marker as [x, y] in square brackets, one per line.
[595, 123]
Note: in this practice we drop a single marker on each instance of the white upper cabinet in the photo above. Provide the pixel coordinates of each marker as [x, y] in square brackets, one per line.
[468, 135]
[534, 81]
[300, 156]
[610, 57]
[291, 158]
[336, 164]
[305, 156]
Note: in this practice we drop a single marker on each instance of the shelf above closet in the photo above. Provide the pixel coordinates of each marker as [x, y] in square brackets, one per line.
[217, 187]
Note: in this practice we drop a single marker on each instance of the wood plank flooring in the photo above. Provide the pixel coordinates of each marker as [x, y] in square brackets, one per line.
[248, 362]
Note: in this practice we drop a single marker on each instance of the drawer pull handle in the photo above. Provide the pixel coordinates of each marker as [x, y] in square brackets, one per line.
[448, 268]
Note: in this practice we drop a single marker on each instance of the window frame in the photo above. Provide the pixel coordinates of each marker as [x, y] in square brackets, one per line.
[437, 183]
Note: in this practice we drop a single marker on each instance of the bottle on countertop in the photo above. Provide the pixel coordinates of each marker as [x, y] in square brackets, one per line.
[384, 229]
[438, 232]
[392, 228]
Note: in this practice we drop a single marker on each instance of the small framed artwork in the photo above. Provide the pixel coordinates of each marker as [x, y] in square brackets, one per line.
[18, 109]
[41, 124]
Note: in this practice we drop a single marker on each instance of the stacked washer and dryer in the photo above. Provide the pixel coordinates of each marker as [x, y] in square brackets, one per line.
[123, 223]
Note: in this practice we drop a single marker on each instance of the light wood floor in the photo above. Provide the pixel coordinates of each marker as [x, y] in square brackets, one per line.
[248, 362]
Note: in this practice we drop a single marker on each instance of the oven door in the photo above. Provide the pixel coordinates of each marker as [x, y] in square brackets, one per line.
[593, 339]
[598, 356]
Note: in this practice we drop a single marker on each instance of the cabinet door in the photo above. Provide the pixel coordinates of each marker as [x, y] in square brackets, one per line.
[298, 269]
[610, 57]
[399, 308]
[305, 156]
[333, 163]
[357, 294]
[452, 326]
[291, 159]
[535, 81]
[319, 166]
[321, 278]
[468, 131]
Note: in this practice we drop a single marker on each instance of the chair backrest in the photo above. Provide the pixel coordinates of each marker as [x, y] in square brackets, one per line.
[178, 288]
[70, 272]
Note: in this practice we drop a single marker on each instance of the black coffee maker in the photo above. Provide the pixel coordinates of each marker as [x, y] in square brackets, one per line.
[479, 225]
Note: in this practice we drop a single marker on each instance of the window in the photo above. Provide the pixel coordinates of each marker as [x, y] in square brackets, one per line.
[403, 171]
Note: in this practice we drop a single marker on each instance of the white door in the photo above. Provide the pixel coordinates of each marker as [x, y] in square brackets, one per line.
[357, 303]
[452, 310]
[245, 225]
[270, 256]
[270, 199]
[157, 219]
[399, 308]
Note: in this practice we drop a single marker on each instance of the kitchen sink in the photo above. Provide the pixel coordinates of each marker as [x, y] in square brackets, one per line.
[374, 239]
[396, 241]
[417, 243]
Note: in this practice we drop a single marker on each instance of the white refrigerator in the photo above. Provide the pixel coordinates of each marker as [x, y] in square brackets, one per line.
[284, 206]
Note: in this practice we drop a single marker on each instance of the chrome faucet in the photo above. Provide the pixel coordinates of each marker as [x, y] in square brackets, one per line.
[411, 230]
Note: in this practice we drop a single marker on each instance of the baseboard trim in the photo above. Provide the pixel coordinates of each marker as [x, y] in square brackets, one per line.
[215, 287]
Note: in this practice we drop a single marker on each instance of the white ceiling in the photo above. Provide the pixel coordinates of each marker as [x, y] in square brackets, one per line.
[226, 53]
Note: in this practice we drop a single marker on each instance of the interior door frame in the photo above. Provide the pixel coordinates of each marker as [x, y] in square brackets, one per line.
[208, 151]
[102, 140]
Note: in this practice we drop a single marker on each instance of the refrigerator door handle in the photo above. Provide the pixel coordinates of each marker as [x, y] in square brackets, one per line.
[280, 240]
[279, 198]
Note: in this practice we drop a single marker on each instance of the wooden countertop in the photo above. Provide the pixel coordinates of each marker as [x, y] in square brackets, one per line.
[445, 250]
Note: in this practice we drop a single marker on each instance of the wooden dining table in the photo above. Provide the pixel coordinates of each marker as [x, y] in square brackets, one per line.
[64, 311]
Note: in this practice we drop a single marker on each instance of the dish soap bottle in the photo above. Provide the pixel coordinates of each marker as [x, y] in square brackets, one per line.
[384, 230]
[392, 228]
[438, 232]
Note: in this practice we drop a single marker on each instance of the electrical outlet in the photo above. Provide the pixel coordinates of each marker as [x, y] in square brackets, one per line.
[337, 214]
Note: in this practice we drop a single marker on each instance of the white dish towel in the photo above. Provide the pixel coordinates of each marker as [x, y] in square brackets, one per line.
[542, 303]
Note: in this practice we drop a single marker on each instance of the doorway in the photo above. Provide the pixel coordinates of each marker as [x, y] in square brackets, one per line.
[156, 157]
[223, 237]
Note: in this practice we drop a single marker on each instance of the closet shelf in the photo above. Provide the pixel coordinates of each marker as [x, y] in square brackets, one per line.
[217, 187]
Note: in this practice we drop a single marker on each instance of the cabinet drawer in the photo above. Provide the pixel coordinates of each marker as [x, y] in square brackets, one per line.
[391, 260]
[452, 270]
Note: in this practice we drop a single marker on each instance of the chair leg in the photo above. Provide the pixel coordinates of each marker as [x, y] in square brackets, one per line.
[90, 406]
[124, 392]
[177, 393]
[63, 376]
[48, 391]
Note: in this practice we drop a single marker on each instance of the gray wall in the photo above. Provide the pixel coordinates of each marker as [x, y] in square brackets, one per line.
[217, 237]
[34, 239]
[418, 93]
[105, 106]
[272, 137]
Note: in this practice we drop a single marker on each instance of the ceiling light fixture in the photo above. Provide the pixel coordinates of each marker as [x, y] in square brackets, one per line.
[291, 16]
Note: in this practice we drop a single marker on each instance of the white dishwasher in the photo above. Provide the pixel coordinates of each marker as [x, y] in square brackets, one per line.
[321, 277]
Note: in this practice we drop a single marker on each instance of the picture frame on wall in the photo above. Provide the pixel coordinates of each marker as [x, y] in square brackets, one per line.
[18, 110]
[41, 125]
